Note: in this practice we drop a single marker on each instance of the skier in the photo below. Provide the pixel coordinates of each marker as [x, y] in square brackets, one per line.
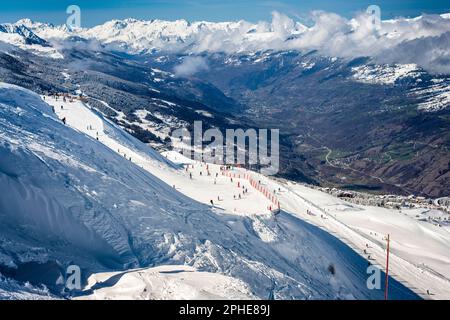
[212, 203]
[62, 107]
[190, 175]
[64, 120]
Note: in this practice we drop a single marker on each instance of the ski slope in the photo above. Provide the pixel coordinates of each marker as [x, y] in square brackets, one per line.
[419, 251]
[115, 205]
[202, 187]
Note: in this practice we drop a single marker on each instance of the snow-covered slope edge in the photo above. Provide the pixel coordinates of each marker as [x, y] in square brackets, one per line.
[73, 200]
[12, 290]
[165, 283]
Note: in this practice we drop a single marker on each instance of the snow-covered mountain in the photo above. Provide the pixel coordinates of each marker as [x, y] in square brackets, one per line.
[151, 94]
[401, 49]
[21, 36]
[89, 194]
[163, 283]
[21, 33]
[330, 34]
[14, 290]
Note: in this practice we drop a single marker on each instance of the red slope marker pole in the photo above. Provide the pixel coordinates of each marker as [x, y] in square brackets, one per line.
[387, 270]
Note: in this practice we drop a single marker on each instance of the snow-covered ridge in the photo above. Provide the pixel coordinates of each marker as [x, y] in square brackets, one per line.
[24, 33]
[331, 34]
[434, 97]
[114, 204]
[166, 283]
[19, 35]
[385, 74]
[13, 290]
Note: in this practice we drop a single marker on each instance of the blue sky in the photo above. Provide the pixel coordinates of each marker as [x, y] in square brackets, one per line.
[96, 12]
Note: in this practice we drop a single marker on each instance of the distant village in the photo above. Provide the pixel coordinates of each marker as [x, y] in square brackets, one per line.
[390, 201]
[67, 96]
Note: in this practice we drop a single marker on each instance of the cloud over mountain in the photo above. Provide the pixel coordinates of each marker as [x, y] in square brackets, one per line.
[422, 40]
[190, 65]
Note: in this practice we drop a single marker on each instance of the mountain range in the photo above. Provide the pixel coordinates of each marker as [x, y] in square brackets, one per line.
[349, 121]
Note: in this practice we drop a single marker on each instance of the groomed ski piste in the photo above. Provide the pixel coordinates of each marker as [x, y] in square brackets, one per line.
[141, 224]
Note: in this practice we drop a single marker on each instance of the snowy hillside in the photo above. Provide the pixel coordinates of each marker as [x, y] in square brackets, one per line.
[114, 204]
[385, 74]
[13, 290]
[163, 283]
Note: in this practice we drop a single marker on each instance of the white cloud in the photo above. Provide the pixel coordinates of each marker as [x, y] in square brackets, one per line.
[423, 41]
[190, 66]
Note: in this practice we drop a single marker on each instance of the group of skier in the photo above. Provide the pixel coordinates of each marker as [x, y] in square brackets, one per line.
[241, 187]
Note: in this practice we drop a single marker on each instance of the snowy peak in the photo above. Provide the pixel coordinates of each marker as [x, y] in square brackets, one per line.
[179, 35]
[104, 201]
[26, 36]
